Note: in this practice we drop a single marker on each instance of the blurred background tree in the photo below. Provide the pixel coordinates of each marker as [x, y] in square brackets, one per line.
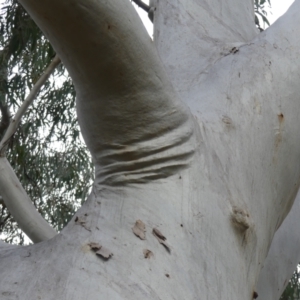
[260, 10]
[46, 152]
[292, 291]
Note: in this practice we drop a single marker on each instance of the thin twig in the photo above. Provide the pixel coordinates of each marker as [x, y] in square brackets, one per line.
[150, 10]
[27, 102]
[5, 121]
[142, 5]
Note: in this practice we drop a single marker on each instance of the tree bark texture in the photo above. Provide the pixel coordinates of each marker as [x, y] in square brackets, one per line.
[195, 140]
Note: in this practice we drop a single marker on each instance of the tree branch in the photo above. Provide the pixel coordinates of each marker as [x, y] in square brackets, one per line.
[142, 5]
[21, 207]
[146, 8]
[5, 120]
[27, 102]
[12, 192]
[123, 94]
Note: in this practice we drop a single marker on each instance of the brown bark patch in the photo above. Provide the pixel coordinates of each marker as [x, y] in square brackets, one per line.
[139, 229]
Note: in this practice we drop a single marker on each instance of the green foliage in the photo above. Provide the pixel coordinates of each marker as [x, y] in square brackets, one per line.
[46, 152]
[261, 13]
[292, 291]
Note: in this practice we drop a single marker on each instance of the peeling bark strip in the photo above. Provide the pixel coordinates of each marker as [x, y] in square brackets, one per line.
[82, 221]
[104, 253]
[158, 234]
[100, 250]
[139, 229]
[95, 246]
[161, 238]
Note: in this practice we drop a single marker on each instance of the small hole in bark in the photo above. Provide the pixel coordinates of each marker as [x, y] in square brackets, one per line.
[181, 225]
[167, 275]
[255, 295]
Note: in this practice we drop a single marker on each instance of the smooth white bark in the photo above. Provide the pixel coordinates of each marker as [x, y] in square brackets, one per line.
[283, 257]
[191, 35]
[13, 194]
[217, 180]
[21, 207]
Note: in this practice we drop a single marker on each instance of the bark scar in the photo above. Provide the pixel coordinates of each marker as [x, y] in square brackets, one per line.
[161, 238]
[101, 251]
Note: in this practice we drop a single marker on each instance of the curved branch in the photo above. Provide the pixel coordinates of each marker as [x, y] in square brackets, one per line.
[27, 102]
[127, 109]
[12, 192]
[20, 206]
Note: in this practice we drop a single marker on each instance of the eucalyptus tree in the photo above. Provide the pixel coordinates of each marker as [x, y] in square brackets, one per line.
[46, 151]
[194, 139]
[24, 55]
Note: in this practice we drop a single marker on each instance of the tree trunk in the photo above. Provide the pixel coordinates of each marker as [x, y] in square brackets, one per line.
[195, 142]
